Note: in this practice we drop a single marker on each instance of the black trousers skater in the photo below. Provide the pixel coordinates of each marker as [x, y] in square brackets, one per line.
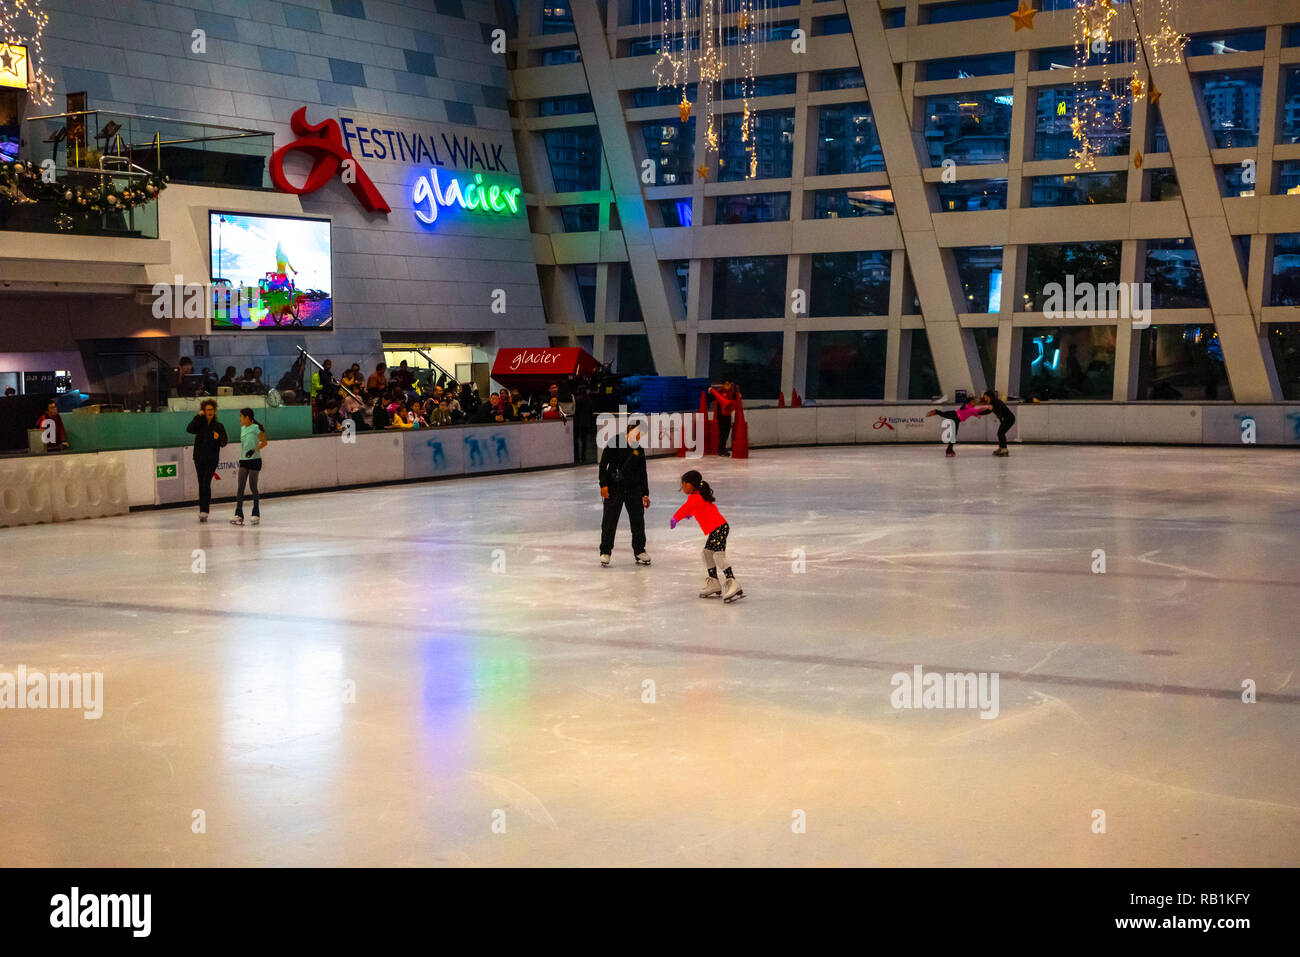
[635, 518]
[204, 469]
[1004, 426]
[724, 431]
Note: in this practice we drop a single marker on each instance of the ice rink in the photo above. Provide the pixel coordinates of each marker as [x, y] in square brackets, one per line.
[501, 710]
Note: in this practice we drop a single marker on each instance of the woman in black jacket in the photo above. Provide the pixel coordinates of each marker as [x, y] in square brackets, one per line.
[209, 440]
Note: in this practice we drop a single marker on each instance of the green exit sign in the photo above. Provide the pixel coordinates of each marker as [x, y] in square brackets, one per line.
[167, 471]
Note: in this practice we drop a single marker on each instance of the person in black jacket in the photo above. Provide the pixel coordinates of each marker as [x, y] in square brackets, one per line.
[1006, 419]
[623, 482]
[209, 440]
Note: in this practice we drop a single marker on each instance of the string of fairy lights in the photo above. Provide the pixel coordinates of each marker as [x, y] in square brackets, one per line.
[711, 42]
[22, 25]
[1116, 44]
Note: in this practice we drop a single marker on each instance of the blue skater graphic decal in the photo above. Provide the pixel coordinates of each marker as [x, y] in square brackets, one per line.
[475, 451]
[1294, 419]
[503, 451]
[439, 457]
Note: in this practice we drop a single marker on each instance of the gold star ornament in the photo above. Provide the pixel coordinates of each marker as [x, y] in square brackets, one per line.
[1153, 95]
[1137, 160]
[703, 171]
[1024, 17]
[684, 107]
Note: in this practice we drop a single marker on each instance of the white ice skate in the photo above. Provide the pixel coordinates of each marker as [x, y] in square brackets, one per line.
[604, 561]
[255, 520]
[712, 588]
[203, 518]
[643, 559]
[733, 591]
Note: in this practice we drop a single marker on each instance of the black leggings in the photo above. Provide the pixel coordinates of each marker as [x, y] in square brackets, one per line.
[956, 424]
[204, 470]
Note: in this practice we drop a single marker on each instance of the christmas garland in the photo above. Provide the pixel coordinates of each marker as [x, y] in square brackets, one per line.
[23, 183]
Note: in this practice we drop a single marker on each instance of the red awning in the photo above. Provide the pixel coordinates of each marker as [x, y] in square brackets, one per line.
[537, 368]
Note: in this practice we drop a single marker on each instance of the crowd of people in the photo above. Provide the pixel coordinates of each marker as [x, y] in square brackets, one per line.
[397, 399]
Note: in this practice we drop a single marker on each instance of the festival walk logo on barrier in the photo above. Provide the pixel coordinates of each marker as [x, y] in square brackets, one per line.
[432, 191]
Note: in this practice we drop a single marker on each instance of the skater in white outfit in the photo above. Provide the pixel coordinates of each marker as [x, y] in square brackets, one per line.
[699, 503]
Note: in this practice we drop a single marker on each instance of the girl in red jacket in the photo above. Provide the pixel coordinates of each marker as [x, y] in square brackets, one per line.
[699, 503]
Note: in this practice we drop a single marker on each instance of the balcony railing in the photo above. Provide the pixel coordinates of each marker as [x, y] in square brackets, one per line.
[43, 213]
[206, 154]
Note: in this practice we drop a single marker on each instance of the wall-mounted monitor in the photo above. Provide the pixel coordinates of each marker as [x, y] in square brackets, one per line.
[270, 272]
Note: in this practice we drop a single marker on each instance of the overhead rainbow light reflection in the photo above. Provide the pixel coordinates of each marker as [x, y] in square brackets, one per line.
[475, 195]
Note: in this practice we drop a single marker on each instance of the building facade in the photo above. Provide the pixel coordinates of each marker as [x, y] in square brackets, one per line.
[911, 206]
[914, 182]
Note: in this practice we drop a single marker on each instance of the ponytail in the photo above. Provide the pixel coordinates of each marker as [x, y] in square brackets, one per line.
[248, 413]
[696, 481]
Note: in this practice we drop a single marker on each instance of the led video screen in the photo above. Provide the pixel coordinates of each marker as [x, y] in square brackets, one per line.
[270, 272]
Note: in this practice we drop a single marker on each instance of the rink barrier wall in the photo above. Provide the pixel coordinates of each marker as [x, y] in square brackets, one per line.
[67, 487]
[53, 488]
[1065, 423]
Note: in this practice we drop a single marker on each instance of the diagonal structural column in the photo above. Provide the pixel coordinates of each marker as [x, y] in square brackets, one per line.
[1245, 353]
[935, 272]
[659, 310]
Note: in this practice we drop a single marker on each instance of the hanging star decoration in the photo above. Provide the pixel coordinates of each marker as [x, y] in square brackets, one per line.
[1137, 160]
[1076, 126]
[1136, 86]
[13, 64]
[703, 171]
[684, 107]
[1153, 95]
[1024, 17]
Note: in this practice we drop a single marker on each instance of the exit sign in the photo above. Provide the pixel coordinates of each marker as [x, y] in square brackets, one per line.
[166, 471]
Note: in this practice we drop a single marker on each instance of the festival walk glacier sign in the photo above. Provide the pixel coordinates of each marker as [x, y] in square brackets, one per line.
[329, 144]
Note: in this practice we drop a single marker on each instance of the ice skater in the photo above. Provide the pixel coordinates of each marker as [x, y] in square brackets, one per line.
[252, 439]
[209, 440]
[623, 483]
[967, 410]
[1006, 419]
[699, 503]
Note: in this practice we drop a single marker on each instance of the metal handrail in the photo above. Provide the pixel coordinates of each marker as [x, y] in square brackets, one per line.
[429, 359]
[312, 359]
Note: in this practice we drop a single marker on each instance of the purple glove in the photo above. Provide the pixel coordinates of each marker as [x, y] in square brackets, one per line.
[672, 523]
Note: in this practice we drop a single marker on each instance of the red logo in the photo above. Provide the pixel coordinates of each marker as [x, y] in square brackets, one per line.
[883, 423]
[323, 142]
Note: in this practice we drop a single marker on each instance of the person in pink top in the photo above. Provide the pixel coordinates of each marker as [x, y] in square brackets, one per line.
[699, 505]
[967, 410]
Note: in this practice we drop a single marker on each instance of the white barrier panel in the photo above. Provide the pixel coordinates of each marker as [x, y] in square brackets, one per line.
[296, 464]
[88, 486]
[796, 427]
[546, 443]
[373, 457]
[762, 426]
[1179, 424]
[25, 493]
[837, 425]
[141, 476]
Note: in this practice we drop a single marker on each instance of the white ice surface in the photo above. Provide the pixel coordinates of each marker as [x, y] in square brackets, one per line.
[522, 692]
